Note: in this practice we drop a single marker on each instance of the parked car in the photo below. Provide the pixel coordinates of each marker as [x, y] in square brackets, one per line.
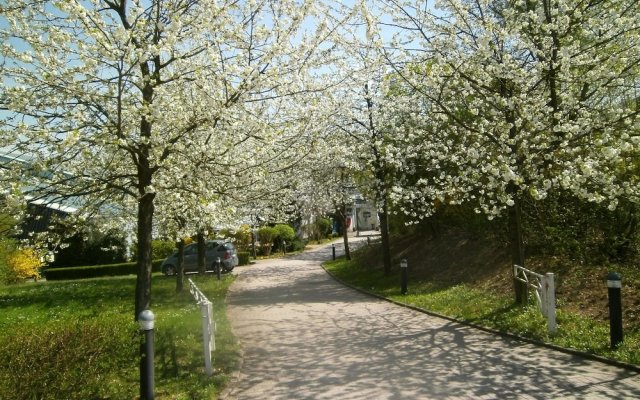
[214, 249]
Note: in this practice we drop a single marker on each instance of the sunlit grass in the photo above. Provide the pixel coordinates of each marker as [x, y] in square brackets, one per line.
[78, 339]
[472, 305]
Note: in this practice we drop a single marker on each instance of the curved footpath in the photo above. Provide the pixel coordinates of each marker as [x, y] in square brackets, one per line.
[306, 336]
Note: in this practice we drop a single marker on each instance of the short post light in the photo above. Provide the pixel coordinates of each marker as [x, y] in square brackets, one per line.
[218, 267]
[404, 266]
[146, 320]
[284, 247]
[614, 283]
[333, 250]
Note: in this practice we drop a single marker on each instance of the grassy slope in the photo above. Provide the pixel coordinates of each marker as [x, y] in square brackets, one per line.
[77, 339]
[470, 279]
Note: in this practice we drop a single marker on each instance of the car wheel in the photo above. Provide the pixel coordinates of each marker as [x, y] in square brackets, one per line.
[227, 268]
[169, 270]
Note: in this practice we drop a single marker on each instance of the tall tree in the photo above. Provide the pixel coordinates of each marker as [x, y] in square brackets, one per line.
[107, 96]
[531, 95]
[360, 109]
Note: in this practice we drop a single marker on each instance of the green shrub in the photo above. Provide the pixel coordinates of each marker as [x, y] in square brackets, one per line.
[243, 257]
[284, 234]
[266, 236]
[94, 271]
[20, 265]
[318, 230]
[324, 227]
[241, 237]
[160, 249]
[93, 248]
[7, 246]
[297, 244]
[563, 225]
[225, 233]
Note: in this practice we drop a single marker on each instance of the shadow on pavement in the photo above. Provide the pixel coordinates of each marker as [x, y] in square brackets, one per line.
[306, 336]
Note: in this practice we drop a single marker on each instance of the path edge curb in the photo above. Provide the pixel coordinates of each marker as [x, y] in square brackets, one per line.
[593, 357]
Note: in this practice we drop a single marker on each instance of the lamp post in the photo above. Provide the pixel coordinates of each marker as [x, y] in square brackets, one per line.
[146, 320]
[614, 283]
[403, 268]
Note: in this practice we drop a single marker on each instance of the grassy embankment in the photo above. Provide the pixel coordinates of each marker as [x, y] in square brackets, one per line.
[78, 340]
[476, 302]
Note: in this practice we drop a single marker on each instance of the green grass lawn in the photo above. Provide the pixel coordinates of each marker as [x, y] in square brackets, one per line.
[77, 340]
[469, 304]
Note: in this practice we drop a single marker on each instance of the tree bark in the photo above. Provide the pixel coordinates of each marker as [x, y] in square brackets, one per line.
[202, 248]
[345, 232]
[145, 209]
[380, 172]
[384, 233]
[180, 266]
[253, 244]
[516, 244]
[145, 201]
[145, 225]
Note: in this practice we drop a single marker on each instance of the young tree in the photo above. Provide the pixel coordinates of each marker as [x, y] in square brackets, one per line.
[363, 113]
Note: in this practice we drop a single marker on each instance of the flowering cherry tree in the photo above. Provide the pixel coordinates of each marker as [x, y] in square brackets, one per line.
[124, 100]
[532, 96]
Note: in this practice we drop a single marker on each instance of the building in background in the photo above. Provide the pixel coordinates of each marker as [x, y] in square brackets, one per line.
[365, 217]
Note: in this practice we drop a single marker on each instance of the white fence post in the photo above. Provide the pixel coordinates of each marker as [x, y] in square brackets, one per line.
[208, 325]
[212, 327]
[205, 312]
[545, 292]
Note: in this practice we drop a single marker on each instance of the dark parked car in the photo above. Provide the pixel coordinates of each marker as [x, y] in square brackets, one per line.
[214, 249]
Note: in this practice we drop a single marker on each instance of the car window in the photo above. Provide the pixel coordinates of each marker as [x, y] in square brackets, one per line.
[211, 245]
[189, 250]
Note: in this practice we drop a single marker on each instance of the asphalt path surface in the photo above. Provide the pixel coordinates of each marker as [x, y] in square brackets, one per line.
[306, 336]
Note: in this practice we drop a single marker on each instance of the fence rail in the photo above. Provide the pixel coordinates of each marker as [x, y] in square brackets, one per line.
[545, 292]
[208, 324]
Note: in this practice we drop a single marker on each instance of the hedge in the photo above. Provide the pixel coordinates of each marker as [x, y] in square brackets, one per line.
[94, 271]
[243, 257]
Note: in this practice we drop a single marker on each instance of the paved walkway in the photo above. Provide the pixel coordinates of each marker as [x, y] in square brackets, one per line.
[305, 336]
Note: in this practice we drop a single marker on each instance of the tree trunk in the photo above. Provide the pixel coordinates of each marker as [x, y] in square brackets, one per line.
[180, 266]
[145, 203]
[345, 232]
[384, 233]
[516, 244]
[380, 172]
[253, 244]
[202, 248]
[145, 225]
